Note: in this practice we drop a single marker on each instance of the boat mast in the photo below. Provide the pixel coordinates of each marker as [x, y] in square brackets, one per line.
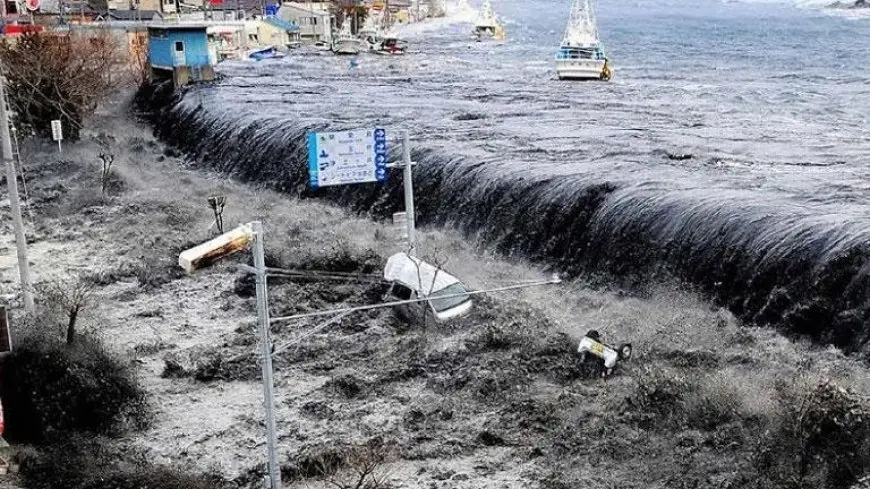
[581, 27]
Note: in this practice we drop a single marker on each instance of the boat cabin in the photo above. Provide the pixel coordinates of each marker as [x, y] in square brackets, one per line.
[574, 52]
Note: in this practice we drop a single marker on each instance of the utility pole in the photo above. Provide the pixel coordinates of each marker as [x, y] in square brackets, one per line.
[266, 353]
[409, 191]
[15, 206]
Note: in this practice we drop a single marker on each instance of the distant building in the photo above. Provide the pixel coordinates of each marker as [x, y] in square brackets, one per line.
[181, 52]
[274, 31]
[131, 16]
[314, 25]
[154, 5]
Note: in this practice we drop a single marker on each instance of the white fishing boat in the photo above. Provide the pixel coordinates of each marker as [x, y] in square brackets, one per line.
[488, 25]
[370, 32]
[345, 42]
[581, 55]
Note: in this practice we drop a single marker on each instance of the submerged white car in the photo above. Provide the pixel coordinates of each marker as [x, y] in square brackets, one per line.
[413, 278]
[609, 356]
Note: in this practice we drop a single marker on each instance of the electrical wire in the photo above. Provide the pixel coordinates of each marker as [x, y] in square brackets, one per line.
[318, 328]
[410, 301]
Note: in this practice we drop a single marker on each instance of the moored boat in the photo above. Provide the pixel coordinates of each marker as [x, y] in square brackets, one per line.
[488, 25]
[581, 55]
[345, 42]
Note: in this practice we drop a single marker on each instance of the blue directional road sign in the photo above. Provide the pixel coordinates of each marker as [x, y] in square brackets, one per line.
[347, 157]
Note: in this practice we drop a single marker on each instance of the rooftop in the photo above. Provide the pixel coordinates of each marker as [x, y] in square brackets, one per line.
[282, 24]
[178, 27]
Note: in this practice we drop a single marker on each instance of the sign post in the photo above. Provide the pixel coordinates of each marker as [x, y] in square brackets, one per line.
[409, 191]
[57, 134]
[360, 156]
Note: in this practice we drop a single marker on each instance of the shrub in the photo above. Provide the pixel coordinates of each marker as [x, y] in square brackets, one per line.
[701, 403]
[211, 364]
[820, 438]
[50, 388]
[345, 466]
[346, 385]
[84, 463]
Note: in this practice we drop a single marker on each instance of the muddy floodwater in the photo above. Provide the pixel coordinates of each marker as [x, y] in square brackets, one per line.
[730, 150]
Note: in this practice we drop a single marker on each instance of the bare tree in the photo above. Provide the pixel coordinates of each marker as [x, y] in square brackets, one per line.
[362, 468]
[439, 263]
[141, 70]
[61, 76]
[72, 295]
[107, 158]
[217, 204]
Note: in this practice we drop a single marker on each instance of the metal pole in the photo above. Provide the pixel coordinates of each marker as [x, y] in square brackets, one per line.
[12, 184]
[266, 354]
[409, 191]
[59, 148]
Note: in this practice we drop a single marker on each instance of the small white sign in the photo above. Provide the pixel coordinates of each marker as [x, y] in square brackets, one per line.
[56, 131]
[400, 225]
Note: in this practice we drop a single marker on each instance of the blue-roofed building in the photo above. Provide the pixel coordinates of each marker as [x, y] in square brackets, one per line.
[181, 52]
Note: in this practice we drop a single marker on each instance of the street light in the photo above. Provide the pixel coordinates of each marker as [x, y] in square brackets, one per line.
[211, 251]
[241, 238]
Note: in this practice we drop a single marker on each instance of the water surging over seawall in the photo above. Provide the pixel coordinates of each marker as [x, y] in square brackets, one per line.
[771, 262]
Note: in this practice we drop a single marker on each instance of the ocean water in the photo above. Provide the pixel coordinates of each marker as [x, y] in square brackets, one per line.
[730, 150]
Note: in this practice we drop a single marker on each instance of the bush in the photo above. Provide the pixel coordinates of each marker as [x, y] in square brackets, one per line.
[79, 463]
[211, 364]
[50, 388]
[820, 438]
[343, 466]
[701, 403]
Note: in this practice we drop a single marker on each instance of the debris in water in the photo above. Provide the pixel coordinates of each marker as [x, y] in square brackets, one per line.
[608, 355]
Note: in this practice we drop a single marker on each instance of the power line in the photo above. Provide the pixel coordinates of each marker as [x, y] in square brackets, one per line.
[369, 307]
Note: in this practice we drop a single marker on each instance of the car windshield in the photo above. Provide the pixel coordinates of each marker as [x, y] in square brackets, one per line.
[442, 303]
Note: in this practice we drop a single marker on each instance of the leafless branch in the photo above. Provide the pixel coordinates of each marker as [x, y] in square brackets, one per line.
[72, 295]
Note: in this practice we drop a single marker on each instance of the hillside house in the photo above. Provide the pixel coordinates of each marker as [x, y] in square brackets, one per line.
[274, 31]
[181, 52]
[314, 25]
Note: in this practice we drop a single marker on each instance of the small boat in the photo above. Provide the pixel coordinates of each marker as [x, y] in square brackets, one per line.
[392, 45]
[267, 52]
[346, 42]
[581, 55]
[488, 25]
[370, 31]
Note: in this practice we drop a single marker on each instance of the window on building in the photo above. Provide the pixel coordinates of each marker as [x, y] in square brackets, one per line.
[314, 21]
[179, 46]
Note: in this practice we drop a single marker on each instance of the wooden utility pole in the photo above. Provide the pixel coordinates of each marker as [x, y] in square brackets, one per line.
[14, 205]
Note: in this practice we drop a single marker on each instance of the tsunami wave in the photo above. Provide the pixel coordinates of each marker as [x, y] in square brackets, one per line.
[788, 266]
[728, 152]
